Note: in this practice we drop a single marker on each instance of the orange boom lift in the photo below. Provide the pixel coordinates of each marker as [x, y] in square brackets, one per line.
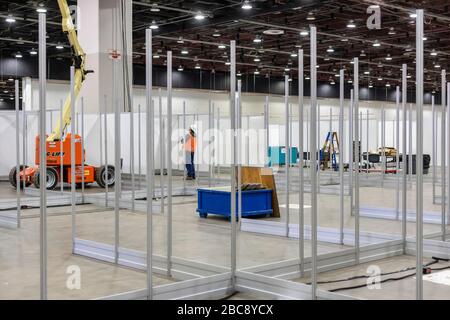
[58, 147]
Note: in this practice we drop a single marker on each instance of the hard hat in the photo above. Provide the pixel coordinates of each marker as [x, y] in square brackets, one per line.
[193, 128]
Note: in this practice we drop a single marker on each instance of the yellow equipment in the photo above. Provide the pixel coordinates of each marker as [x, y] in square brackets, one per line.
[78, 57]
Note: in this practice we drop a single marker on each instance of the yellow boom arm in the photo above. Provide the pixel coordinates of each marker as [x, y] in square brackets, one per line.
[78, 57]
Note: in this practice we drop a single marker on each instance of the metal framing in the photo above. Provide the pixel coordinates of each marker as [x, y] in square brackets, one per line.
[301, 149]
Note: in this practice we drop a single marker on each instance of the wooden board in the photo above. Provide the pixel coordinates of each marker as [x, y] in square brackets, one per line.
[265, 177]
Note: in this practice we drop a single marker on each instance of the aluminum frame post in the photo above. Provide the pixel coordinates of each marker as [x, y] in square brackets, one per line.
[356, 195]
[209, 142]
[239, 151]
[117, 163]
[233, 156]
[411, 143]
[149, 160]
[351, 152]
[161, 149]
[16, 102]
[72, 157]
[445, 219]
[24, 141]
[397, 155]
[288, 150]
[419, 154]
[443, 154]
[184, 132]
[169, 164]
[367, 142]
[42, 155]
[266, 128]
[61, 146]
[139, 147]
[317, 147]
[433, 151]
[133, 181]
[301, 196]
[313, 166]
[341, 154]
[404, 156]
[106, 149]
[82, 148]
[383, 143]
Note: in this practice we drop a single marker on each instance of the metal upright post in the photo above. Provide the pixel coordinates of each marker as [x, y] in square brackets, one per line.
[61, 147]
[106, 149]
[433, 147]
[161, 149]
[404, 156]
[287, 149]
[367, 143]
[444, 218]
[149, 160]
[42, 155]
[184, 132]
[239, 152]
[233, 156]
[139, 147]
[301, 197]
[410, 143]
[169, 164]
[317, 147]
[419, 155]
[266, 131]
[16, 98]
[351, 152]
[72, 156]
[443, 145]
[397, 155]
[383, 143]
[313, 166]
[210, 142]
[117, 164]
[356, 102]
[133, 181]
[24, 141]
[341, 156]
[82, 148]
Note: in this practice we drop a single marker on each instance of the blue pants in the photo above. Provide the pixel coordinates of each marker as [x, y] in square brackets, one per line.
[190, 167]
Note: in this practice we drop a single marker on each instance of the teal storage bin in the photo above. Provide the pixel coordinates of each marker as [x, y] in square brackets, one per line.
[277, 155]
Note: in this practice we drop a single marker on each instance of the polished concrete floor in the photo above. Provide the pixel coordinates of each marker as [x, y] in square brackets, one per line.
[402, 289]
[203, 240]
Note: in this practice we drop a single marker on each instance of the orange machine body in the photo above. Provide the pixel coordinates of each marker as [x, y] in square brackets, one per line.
[54, 151]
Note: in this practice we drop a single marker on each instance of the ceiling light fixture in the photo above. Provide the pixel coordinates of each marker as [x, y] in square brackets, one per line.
[388, 84]
[367, 72]
[33, 52]
[257, 39]
[180, 68]
[388, 57]
[184, 51]
[154, 26]
[18, 55]
[199, 16]
[287, 69]
[370, 85]
[380, 79]
[413, 15]
[350, 81]
[433, 53]
[197, 66]
[59, 47]
[294, 54]
[351, 24]
[256, 72]
[156, 56]
[221, 46]
[10, 19]
[304, 33]
[376, 44]
[227, 63]
[310, 16]
[391, 31]
[330, 49]
[216, 34]
[41, 10]
[154, 8]
[256, 59]
[246, 5]
[307, 78]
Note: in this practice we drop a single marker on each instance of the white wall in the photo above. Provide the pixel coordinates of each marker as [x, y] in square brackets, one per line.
[197, 102]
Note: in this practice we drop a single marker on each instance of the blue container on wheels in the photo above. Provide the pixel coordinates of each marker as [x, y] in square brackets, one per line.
[218, 201]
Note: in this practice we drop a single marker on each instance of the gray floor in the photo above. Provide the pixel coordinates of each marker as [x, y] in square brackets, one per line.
[203, 240]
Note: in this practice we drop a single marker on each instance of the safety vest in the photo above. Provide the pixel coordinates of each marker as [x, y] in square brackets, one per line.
[190, 143]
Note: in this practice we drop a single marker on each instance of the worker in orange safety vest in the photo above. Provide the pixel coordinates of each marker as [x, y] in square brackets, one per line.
[189, 146]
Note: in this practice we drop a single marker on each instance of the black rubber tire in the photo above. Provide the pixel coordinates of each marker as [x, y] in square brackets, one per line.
[52, 179]
[13, 180]
[100, 176]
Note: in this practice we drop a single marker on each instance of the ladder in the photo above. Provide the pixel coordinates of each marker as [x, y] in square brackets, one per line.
[330, 146]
